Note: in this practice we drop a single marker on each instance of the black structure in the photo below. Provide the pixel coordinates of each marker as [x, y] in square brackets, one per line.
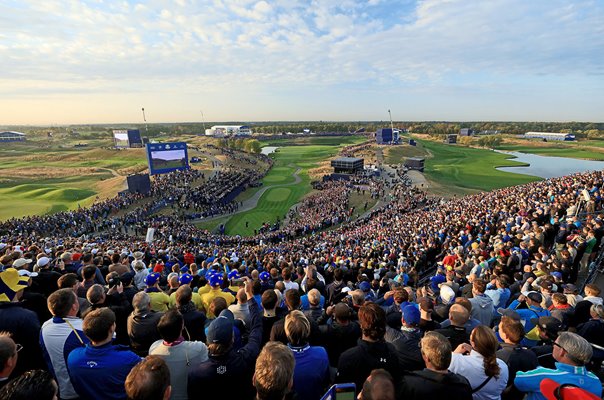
[416, 163]
[451, 139]
[348, 165]
[384, 136]
[139, 183]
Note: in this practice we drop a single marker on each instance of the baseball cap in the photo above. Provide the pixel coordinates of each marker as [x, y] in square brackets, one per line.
[570, 288]
[152, 279]
[557, 275]
[411, 314]
[365, 286]
[548, 324]
[215, 279]
[265, 276]
[552, 390]
[24, 272]
[534, 296]
[221, 329]
[506, 312]
[42, 262]
[185, 279]
[234, 274]
[20, 262]
[447, 294]
[11, 283]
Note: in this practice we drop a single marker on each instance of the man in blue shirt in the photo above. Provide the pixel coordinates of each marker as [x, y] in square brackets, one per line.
[99, 370]
[533, 311]
[571, 352]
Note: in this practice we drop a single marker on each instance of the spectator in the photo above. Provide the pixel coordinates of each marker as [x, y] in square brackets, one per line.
[215, 280]
[456, 333]
[572, 353]
[99, 370]
[311, 374]
[548, 328]
[478, 362]
[372, 351]
[341, 334]
[482, 305]
[185, 280]
[70, 281]
[159, 300]
[180, 355]
[406, 340]
[116, 301]
[241, 309]
[194, 320]
[314, 310]
[533, 310]
[274, 373]
[149, 380]
[142, 323]
[435, 381]
[60, 336]
[9, 353]
[378, 386]
[35, 384]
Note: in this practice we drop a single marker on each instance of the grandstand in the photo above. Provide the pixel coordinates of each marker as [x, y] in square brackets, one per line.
[550, 136]
[228, 131]
[12, 136]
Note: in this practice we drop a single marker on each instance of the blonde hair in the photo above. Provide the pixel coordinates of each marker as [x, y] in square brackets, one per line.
[297, 328]
[274, 371]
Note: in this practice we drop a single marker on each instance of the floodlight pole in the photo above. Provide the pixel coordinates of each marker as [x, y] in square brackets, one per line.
[391, 125]
[203, 122]
[145, 119]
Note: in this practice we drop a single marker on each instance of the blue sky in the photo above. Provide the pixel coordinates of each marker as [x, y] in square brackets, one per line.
[100, 61]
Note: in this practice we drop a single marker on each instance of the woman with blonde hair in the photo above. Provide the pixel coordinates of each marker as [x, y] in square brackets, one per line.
[478, 362]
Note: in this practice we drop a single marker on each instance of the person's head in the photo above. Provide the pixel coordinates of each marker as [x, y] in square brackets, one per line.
[269, 300]
[511, 330]
[292, 299]
[149, 380]
[241, 296]
[141, 302]
[68, 281]
[400, 296]
[170, 326]
[286, 274]
[218, 305]
[484, 341]
[379, 385]
[597, 311]
[63, 303]
[558, 299]
[410, 316]
[342, 313]
[314, 297]
[36, 384]
[592, 290]
[570, 348]
[534, 299]
[465, 303]
[297, 328]
[458, 315]
[220, 334]
[274, 373]
[338, 274]
[95, 294]
[138, 265]
[88, 272]
[184, 295]
[436, 351]
[372, 319]
[99, 325]
[8, 354]
[479, 286]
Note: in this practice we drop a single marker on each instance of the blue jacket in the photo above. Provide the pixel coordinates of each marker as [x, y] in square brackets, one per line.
[100, 372]
[529, 381]
[311, 373]
[525, 317]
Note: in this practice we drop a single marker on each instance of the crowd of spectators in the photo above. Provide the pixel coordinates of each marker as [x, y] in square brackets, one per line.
[470, 297]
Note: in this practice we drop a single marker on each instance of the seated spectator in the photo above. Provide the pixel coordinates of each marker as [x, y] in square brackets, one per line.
[194, 319]
[99, 370]
[180, 355]
[435, 381]
[311, 374]
[274, 373]
[35, 384]
[478, 362]
[572, 353]
[9, 352]
[372, 351]
[516, 357]
[548, 328]
[149, 380]
[378, 386]
[142, 323]
[456, 333]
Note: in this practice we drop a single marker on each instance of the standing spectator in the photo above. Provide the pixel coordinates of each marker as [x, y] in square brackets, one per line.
[194, 320]
[142, 323]
[406, 341]
[435, 381]
[9, 353]
[378, 386]
[116, 301]
[60, 336]
[274, 373]
[99, 370]
[159, 300]
[215, 280]
[241, 309]
[372, 351]
[572, 353]
[478, 362]
[341, 334]
[528, 315]
[35, 384]
[149, 380]
[311, 374]
[482, 305]
[180, 355]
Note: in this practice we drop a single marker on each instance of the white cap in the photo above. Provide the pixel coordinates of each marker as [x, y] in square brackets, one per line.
[20, 262]
[24, 272]
[43, 261]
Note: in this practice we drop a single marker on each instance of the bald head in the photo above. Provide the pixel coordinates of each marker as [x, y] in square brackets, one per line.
[458, 315]
[241, 296]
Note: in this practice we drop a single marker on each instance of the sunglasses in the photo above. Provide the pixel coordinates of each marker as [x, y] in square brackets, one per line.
[560, 346]
[18, 348]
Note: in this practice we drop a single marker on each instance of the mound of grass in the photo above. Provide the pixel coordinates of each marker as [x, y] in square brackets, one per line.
[278, 194]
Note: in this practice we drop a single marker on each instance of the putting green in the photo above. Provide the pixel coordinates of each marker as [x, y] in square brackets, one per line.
[278, 194]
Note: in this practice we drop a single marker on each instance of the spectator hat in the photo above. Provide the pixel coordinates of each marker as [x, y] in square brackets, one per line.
[265, 276]
[216, 279]
[24, 272]
[138, 255]
[365, 286]
[152, 279]
[127, 278]
[233, 275]
[184, 269]
[557, 275]
[550, 325]
[534, 296]
[570, 289]
[506, 312]
[10, 284]
[220, 330]
[21, 262]
[411, 314]
[447, 295]
[42, 262]
[185, 279]
[552, 390]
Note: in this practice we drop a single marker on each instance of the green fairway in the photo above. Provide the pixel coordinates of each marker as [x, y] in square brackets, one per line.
[315, 140]
[460, 169]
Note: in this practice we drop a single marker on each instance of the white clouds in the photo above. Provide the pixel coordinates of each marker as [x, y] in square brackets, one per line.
[273, 46]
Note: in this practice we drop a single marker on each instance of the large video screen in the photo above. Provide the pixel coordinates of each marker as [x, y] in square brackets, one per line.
[166, 157]
[121, 138]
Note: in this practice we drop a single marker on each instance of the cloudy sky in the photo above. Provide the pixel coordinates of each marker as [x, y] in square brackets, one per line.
[100, 61]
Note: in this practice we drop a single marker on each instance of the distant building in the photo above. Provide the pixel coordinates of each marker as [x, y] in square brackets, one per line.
[466, 132]
[229, 130]
[416, 163]
[12, 136]
[386, 136]
[550, 136]
[348, 165]
[451, 139]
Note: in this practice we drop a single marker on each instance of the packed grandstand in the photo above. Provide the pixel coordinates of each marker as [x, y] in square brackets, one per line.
[487, 296]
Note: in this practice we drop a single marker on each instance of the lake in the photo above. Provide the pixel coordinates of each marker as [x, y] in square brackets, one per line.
[550, 167]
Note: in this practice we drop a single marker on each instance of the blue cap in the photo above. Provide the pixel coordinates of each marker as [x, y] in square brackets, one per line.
[152, 279]
[216, 279]
[233, 274]
[365, 286]
[184, 269]
[185, 279]
[557, 274]
[221, 329]
[265, 276]
[411, 315]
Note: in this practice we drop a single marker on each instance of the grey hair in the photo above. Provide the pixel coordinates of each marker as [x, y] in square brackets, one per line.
[597, 309]
[579, 350]
[95, 294]
[138, 265]
[141, 301]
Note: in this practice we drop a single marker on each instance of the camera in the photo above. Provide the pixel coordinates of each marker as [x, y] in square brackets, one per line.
[113, 282]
